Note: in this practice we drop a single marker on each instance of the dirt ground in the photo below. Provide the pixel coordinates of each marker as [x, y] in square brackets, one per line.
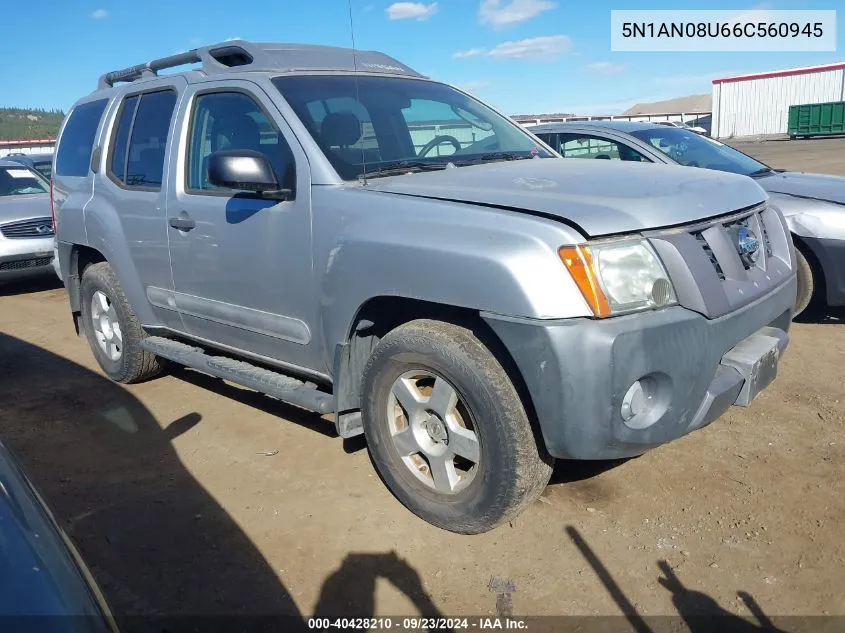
[186, 495]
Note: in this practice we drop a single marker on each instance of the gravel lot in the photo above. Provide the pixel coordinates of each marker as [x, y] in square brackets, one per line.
[187, 495]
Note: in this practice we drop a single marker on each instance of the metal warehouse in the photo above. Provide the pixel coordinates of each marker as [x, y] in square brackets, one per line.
[758, 104]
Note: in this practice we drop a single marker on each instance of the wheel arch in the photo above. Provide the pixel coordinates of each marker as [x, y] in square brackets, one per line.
[379, 315]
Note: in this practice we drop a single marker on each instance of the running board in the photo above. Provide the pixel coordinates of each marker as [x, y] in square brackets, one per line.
[271, 383]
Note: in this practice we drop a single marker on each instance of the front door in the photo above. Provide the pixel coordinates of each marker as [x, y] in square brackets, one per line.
[241, 263]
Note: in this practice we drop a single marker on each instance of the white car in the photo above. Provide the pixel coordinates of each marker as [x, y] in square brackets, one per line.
[680, 124]
[26, 223]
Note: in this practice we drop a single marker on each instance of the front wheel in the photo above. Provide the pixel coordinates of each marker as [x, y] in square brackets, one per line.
[447, 430]
[112, 329]
[806, 283]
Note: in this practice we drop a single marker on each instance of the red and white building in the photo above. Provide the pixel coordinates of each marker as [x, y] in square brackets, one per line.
[31, 146]
[758, 104]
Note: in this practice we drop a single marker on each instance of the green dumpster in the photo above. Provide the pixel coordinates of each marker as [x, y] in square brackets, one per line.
[816, 119]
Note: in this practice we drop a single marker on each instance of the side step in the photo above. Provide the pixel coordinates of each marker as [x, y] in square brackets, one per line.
[285, 388]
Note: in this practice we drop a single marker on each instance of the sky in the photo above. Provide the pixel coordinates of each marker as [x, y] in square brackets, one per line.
[522, 56]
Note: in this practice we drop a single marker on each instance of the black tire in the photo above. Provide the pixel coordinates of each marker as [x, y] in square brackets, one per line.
[806, 283]
[134, 364]
[512, 470]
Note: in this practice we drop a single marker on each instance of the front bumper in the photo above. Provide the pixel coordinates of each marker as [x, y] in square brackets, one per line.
[579, 371]
[831, 256]
[25, 258]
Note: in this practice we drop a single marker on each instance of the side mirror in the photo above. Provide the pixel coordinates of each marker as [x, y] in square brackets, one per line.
[243, 169]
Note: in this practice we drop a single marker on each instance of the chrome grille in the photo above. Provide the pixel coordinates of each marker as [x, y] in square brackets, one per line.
[28, 229]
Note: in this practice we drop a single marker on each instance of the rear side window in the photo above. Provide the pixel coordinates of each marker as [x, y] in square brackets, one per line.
[140, 140]
[77, 142]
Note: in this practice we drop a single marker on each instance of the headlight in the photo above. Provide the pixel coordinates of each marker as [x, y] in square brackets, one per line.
[619, 277]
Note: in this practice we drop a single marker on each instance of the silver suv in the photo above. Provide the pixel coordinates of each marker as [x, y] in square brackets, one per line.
[330, 228]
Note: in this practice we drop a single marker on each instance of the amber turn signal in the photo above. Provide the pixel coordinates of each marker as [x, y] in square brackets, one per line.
[579, 262]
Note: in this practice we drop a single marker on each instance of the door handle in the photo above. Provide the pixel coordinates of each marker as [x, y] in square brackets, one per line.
[182, 222]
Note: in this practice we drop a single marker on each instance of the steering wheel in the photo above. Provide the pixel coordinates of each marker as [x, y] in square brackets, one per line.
[437, 140]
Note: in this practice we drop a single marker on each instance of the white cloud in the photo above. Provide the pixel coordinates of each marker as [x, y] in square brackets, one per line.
[231, 39]
[411, 10]
[499, 14]
[472, 52]
[543, 47]
[99, 14]
[605, 68]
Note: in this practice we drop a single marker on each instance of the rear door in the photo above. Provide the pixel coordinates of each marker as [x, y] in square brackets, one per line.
[131, 186]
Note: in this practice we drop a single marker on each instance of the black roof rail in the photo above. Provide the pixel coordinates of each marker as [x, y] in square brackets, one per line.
[150, 69]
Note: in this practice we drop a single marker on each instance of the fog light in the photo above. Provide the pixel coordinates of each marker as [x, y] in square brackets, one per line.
[638, 403]
[634, 402]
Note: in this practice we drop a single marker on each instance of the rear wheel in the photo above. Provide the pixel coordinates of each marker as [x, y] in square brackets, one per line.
[447, 430]
[112, 329]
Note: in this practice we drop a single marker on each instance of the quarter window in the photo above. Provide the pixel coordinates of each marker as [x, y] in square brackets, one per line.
[140, 140]
[234, 121]
[77, 141]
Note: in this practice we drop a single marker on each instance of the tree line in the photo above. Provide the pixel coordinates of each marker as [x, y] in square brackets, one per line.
[29, 123]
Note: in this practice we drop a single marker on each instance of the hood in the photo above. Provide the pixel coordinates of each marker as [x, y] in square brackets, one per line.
[14, 208]
[816, 186]
[597, 197]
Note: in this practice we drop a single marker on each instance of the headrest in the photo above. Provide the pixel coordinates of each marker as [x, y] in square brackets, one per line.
[241, 132]
[340, 129]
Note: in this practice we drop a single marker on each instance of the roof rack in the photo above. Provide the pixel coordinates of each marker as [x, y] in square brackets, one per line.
[234, 55]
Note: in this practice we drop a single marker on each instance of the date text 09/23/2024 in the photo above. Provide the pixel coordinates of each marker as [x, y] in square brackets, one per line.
[417, 624]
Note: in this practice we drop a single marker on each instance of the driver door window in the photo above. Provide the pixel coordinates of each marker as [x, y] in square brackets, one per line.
[233, 120]
[585, 146]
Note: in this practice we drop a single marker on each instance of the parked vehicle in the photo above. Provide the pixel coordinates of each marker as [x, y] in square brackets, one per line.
[26, 228]
[682, 126]
[268, 219]
[42, 163]
[813, 204]
[46, 585]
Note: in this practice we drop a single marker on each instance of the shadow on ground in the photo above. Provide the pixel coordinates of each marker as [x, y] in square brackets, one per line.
[699, 611]
[166, 555]
[827, 315]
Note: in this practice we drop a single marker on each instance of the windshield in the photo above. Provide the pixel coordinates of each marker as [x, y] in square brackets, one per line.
[694, 150]
[17, 181]
[388, 121]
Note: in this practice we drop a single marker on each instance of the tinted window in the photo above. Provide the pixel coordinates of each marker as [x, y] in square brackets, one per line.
[117, 165]
[18, 181]
[584, 146]
[77, 142]
[144, 161]
[693, 150]
[364, 123]
[233, 120]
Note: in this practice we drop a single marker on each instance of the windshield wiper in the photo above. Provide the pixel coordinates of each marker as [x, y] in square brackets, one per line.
[492, 157]
[761, 172]
[402, 167]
